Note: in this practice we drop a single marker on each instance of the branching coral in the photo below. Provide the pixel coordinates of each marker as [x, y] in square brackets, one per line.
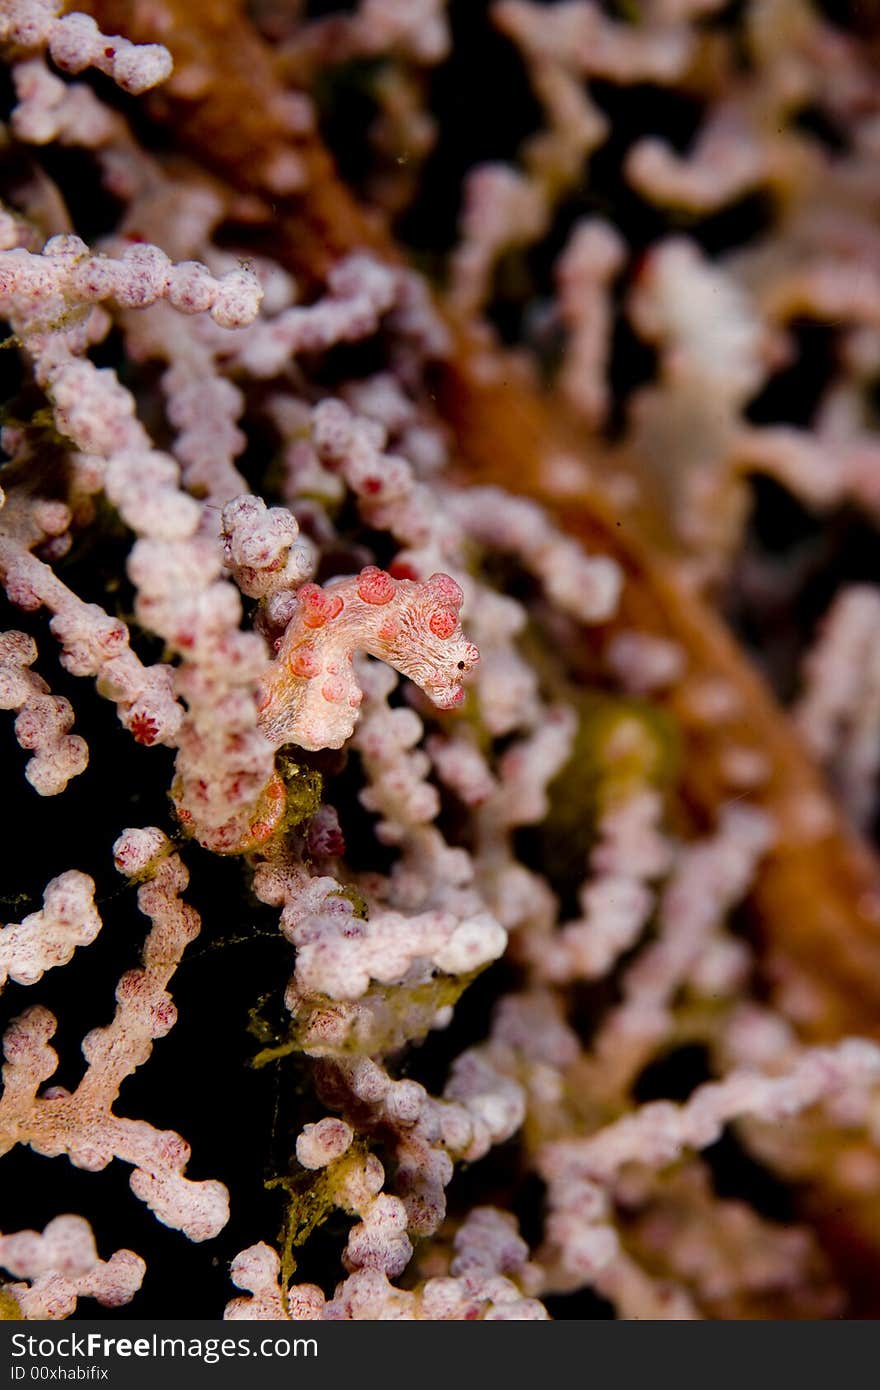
[61, 1265]
[43, 721]
[44, 939]
[414, 646]
[81, 1123]
[75, 43]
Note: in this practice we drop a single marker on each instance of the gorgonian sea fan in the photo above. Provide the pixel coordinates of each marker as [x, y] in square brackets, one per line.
[375, 478]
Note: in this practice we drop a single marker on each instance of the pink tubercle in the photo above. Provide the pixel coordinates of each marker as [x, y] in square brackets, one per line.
[313, 614]
[260, 831]
[275, 793]
[316, 607]
[303, 661]
[333, 690]
[445, 587]
[443, 623]
[375, 585]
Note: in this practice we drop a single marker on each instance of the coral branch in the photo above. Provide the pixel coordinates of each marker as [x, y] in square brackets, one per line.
[75, 43]
[44, 720]
[82, 1124]
[620, 849]
[61, 1265]
[45, 939]
[818, 893]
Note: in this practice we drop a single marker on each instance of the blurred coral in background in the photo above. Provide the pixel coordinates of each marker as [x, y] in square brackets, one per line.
[442, 651]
